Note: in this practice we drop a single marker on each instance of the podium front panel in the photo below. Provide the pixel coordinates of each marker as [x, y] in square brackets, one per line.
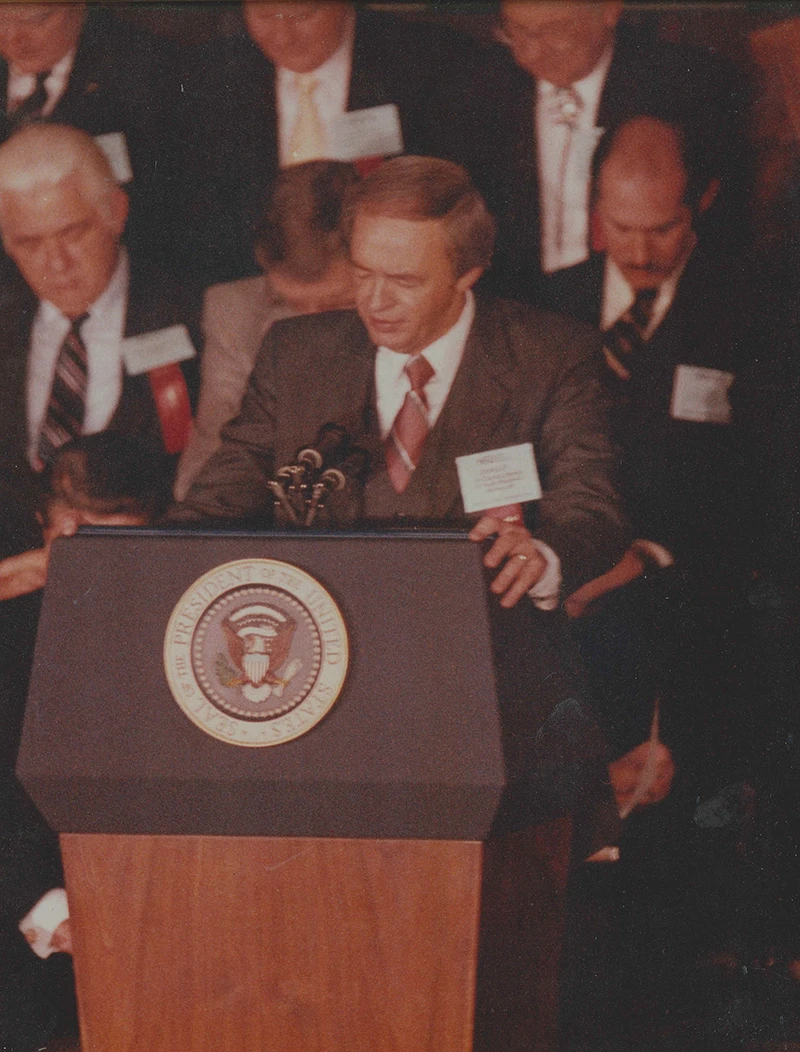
[411, 748]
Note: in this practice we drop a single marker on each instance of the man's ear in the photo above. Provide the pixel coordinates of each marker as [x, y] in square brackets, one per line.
[467, 280]
[708, 196]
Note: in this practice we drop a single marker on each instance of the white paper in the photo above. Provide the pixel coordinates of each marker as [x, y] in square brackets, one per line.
[701, 395]
[115, 148]
[153, 349]
[374, 132]
[498, 477]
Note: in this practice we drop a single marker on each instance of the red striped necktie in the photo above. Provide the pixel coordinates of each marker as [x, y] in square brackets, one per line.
[410, 427]
[67, 405]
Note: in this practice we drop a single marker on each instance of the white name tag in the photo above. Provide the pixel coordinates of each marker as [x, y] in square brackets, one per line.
[374, 132]
[701, 395]
[498, 477]
[115, 148]
[153, 349]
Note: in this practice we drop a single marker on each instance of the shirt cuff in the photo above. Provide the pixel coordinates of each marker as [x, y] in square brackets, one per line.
[655, 552]
[547, 590]
[39, 925]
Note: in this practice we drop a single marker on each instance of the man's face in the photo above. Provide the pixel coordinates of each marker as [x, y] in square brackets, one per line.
[298, 37]
[646, 225]
[558, 42]
[65, 248]
[333, 291]
[34, 37]
[406, 290]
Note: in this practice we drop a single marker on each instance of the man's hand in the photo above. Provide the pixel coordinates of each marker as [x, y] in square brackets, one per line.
[524, 563]
[21, 574]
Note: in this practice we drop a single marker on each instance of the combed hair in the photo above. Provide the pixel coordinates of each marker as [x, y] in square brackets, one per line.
[44, 155]
[110, 474]
[300, 231]
[420, 188]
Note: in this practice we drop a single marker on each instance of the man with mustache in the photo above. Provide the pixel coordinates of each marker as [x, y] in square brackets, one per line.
[674, 316]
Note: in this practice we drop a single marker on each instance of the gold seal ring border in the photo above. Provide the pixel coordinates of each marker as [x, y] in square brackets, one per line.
[176, 684]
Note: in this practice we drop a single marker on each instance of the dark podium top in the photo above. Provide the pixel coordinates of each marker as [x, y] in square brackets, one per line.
[457, 720]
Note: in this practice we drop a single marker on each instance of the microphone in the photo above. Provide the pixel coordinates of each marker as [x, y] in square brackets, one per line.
[302, 487]
[329, 481]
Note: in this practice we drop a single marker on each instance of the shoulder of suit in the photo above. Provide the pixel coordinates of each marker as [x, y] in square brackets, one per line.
[533, 334]
[113, 39]
[245, 301]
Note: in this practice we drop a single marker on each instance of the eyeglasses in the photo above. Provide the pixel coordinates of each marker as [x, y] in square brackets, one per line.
[560, 36]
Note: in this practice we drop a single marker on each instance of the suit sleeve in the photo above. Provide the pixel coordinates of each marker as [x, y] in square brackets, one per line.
[29, 857]
[579, 514]
[233, 484]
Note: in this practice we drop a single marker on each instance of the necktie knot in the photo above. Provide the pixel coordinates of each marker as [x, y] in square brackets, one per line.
[32, 107]
[642, 308]
[77, 324]
[419, 371]
[307, 84]
[567, 106]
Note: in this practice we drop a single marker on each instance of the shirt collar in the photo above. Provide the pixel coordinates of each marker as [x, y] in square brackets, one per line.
[60, 69]
[445, 353]
[618, 296]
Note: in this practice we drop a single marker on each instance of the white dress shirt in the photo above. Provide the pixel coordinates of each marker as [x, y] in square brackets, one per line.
[330, 97]
[102, 334]
[21, 86]
[564, 160]
[392, 384]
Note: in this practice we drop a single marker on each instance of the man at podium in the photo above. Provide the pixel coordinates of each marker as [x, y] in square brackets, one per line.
[422, 374]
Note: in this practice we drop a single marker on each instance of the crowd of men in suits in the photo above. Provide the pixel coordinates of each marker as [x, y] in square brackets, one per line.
[212, 252]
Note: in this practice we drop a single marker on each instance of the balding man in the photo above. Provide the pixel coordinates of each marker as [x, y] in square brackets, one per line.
[272, 94]
[90, 342]
[576, 71]
[83, 66]
[675, 316]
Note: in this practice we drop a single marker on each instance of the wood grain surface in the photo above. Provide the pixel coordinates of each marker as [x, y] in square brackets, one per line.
[216, 944]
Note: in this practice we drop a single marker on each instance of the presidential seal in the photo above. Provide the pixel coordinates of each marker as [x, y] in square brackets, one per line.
[256, 652]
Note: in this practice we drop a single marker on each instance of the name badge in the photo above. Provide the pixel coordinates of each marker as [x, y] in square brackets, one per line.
[498, 477]
[115, 148]
[701, 395]
[374, 132]
[154, 349]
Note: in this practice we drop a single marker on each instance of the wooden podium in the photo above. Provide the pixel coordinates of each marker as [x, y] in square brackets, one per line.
[393, 879]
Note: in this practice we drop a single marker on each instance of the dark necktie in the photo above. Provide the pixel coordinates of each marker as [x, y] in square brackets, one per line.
[410, 427]
[30, 109]
[626, 337]
[65, 410]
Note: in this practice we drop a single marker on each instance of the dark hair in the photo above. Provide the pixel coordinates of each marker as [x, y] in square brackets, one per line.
[692, 156]
[420, 188]
[110, 474]
[300, 231]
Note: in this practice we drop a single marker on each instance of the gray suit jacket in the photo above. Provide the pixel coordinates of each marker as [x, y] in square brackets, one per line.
[525, 376]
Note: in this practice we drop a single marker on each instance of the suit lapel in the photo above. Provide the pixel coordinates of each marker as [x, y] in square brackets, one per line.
[471, 416]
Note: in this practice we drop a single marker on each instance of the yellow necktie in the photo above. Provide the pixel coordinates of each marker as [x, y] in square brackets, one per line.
[307, 141]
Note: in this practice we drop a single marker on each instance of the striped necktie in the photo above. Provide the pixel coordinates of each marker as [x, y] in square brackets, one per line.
[627, 336]
[66, 407]
[410, 427]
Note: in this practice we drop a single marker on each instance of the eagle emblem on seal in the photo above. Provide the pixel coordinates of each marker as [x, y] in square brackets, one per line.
[259, 639]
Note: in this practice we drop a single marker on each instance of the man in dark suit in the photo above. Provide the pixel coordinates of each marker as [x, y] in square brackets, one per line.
[575, 72]
[91, 344]
[268, 95]
[503, 375]
[675, 317]
[87, 68]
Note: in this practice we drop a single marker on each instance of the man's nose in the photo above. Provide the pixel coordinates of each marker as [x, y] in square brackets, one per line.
[57, 258]
[640, 250]
[380, 295]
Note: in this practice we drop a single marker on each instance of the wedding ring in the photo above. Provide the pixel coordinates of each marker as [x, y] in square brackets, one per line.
[521, 556]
